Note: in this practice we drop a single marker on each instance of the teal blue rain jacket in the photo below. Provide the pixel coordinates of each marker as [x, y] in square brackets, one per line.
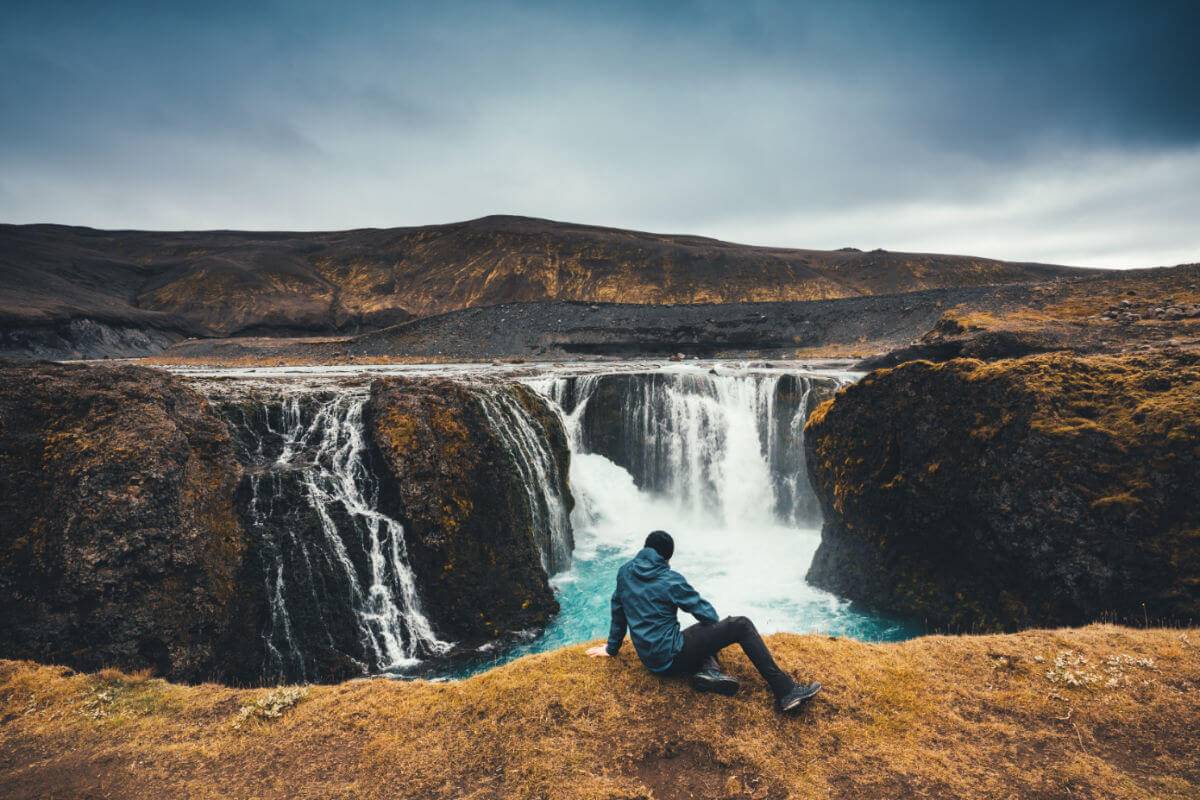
[648, 594]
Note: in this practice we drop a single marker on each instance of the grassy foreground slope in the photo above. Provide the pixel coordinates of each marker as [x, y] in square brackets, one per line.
[1100, 711]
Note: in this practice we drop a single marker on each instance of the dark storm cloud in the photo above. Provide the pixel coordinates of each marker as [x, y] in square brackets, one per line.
[1100, 69]
[1057, 131]
[1104, 69]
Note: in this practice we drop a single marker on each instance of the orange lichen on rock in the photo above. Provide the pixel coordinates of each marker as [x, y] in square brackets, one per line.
[1059, 481]
[466, 514]
[120, 543]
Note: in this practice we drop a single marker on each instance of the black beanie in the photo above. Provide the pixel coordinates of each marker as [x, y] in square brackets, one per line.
[661, 543]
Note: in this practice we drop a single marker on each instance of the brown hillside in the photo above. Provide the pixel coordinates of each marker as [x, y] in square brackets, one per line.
[1112, 312]
[1097, 712]
[225, 282]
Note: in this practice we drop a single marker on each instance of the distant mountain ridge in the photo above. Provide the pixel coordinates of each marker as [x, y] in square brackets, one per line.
[221, 283]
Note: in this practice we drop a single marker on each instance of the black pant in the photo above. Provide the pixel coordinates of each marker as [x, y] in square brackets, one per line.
[702, 642]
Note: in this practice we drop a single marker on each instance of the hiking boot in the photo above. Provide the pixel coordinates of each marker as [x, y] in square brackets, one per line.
[800, 694]
[711, 680]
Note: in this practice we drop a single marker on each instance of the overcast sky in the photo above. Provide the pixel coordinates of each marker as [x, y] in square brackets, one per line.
[1049, 131]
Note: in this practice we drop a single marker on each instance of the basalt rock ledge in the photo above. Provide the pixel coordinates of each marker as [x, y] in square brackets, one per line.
[1049, 490]
[119, 540]
[131, 537]
[475, 532]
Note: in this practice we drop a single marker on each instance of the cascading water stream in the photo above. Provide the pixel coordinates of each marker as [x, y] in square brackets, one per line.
[310, 450]
[342, 596]
[730, 445]
[535, 463]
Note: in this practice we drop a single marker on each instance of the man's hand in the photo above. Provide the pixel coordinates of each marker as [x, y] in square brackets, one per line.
[599, 651]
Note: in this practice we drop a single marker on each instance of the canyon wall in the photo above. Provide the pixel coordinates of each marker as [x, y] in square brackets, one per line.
[119, 539]
[262, 536]
[1049, 490]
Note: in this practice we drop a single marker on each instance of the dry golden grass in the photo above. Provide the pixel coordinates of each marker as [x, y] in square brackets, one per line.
[1073, 309]
[1101, 711]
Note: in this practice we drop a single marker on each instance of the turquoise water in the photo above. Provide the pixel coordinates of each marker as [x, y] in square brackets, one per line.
[754, 569]
[584, 593]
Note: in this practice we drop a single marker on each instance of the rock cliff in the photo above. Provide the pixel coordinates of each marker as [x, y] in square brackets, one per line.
[477, 531]
[119, 541]
[1047, 490]
[143, 527]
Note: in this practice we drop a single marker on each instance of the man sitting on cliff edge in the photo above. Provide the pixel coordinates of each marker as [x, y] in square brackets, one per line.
[648, 595]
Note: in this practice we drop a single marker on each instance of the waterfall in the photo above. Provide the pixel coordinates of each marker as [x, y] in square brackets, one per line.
[794, 397]
[528, 442]
[714, 455]
[328, 553]
[728, 444]
[340, 595]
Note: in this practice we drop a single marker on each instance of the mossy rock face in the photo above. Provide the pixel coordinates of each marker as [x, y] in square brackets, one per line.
[469, 527]
[119, 541]
[1049, 490]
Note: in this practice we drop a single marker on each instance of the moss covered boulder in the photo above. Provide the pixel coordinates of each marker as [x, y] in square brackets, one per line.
[119, 541]
[478, 533]
[1039, 491]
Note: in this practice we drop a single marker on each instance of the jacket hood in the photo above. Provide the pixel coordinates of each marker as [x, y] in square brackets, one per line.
[648, 565]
